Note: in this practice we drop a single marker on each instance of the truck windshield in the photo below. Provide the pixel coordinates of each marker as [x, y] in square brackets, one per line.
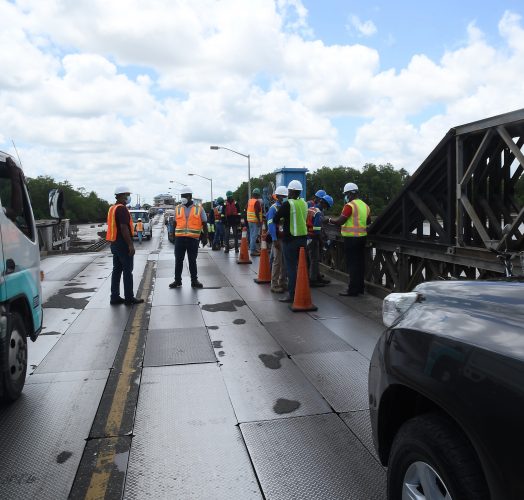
[140, 215]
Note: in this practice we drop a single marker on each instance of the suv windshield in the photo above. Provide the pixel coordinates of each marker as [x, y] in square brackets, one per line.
[142, 215]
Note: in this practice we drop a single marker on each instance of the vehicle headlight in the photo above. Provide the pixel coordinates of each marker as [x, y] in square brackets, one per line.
[396, 304]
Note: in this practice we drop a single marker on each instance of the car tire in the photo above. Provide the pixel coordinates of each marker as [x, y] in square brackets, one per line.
[432, 447]
[14, 358]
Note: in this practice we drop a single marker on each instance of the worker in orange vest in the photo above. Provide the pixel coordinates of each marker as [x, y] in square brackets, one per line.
[190, 221]
[254, 220]
[120, 234]
[139, 228]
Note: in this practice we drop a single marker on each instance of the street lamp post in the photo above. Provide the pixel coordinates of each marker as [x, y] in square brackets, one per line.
[211, 181]
[248, 166]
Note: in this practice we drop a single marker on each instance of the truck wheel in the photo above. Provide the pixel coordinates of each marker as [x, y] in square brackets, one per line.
[14, 359]
[431, 459]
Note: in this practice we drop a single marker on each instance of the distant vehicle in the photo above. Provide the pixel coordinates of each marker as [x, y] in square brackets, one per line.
[20, 289]
[446, 391]
[144, 215]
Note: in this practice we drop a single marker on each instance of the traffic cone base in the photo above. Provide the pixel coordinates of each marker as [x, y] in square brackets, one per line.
[302, 300]
[264, 269]
[243, 256]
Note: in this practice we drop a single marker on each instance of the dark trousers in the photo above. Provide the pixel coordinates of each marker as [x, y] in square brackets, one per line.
[234, 228]
[291, 247]
[355, 252]
[184, 244]
[313, 250]
[122, 265]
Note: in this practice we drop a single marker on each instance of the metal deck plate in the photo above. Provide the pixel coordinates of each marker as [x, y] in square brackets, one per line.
[165, 296]
[313, 457]
[37, 351]
[227, 312]
[91, 351]
[341, 377]
[187, 443]
[358, 331]
[66, 271]
[257, 293]
[178, 346]
[262, 381]
[305, 335]
[360, 425]
[166, 317]
[58, 320]
[110, 320]
[44, 432]
[327, 307]
[270, 311]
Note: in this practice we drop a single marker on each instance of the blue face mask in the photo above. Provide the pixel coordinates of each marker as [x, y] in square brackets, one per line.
[346, 198]
[285, 199]
[128, 200]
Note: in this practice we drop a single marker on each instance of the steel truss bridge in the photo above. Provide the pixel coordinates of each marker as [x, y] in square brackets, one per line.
[452, 211]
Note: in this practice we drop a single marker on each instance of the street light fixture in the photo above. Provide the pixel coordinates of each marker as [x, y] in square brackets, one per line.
[248, 166]
[211, 181]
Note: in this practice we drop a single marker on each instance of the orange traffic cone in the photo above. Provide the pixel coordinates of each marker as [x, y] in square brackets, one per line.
[264, 271]
[302, 301]
[243, 256]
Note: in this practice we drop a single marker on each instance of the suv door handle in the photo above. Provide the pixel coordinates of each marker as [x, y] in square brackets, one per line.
[10, 266]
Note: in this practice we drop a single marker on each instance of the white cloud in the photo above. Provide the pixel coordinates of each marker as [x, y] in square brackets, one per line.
[362, 28]
[135, 91]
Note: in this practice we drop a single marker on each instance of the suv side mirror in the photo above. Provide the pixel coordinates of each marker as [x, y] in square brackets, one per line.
[56, 204]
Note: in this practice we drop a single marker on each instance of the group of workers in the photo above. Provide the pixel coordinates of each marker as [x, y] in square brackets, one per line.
[292, 223]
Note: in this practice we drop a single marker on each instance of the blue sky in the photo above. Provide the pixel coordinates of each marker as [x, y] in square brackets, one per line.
[102, 93]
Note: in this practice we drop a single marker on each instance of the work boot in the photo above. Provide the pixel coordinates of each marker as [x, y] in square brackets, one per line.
[117, 301]
[277, 289]
[237, 250]
[133, 301]
[287, 299]
[196, 284]
[175, 284]
[226, 250]
[324, 280]
[256, 253]
[316, 284]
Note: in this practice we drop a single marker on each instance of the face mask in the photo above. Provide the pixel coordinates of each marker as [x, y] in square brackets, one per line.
[346, 198]
[128, 200]
[183, 201]
[285, 199]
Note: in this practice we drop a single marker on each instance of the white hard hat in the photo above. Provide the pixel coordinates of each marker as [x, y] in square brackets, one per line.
[186, 190]
[122, 189]
[139, 219]
[281, 191]
[295, 185]
[349, 187]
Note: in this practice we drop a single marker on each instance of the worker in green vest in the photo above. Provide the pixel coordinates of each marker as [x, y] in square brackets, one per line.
[353, 222]
[292, 215]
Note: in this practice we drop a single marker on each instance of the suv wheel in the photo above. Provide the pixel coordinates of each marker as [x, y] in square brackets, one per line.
[14, 359]
[431, 459]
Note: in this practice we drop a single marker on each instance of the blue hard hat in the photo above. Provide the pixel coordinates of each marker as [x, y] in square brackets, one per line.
[328, 200]
[320, 193]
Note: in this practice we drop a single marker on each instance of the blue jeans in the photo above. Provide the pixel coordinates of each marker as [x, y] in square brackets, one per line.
[184, 244]
[219, 234]
[291, 248]
[254, 231]
[122, 265]
[139, 234]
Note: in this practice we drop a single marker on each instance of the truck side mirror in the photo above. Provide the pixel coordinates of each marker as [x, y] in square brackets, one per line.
[56, 204]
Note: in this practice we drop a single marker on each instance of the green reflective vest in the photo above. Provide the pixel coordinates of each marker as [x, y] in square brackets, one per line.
[356, 225]
[297, 217]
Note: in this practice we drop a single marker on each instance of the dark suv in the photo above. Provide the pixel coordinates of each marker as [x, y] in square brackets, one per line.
[446, 391]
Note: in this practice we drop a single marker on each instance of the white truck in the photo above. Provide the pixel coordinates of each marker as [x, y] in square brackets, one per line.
[20, 290]
[144, 215]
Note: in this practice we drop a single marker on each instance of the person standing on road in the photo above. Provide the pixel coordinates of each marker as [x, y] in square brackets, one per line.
[278, 275]
[120, 234]
[219, 224]
[315, 217]
[254, 220]
[319, 195]
[354, 219]
[139, 228]
[211, 226]
[232, 220]
[293, 213]
[190, 221]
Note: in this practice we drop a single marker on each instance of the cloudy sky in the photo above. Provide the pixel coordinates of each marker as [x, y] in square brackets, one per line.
[135, 91]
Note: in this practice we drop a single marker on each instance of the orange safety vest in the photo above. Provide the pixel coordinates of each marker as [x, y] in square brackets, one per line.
[140, 226]
[251, 214]
[217, 214]
[356, 224]
[111, 223]
[191, 226]
[311, 212]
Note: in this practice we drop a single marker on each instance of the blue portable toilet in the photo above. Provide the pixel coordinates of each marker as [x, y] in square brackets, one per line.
[285, 175]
